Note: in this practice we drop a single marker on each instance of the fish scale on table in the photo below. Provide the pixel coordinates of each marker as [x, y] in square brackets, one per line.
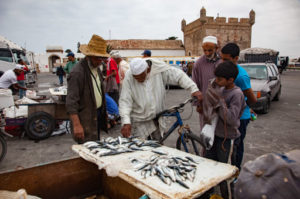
[167, 168]
[114, 146]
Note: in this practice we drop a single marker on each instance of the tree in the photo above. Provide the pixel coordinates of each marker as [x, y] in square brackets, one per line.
[68, 50]
[172, 38]
[78, 46]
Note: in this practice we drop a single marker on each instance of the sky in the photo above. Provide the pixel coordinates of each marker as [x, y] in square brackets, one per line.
[35, 24]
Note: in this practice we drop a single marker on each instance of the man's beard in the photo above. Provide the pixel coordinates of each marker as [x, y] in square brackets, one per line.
[211, 57]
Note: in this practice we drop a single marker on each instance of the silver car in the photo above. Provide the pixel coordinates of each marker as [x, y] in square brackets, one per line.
[265, 82]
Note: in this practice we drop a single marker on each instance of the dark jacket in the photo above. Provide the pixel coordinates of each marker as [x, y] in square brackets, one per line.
[60, 71]
[81, 99]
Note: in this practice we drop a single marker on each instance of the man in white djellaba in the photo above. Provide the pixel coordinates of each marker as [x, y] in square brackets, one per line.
[143, 96]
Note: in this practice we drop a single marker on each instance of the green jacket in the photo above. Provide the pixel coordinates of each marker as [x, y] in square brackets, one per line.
[69, 66]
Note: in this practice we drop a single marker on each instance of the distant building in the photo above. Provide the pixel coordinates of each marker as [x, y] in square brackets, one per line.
[231, 30]
[135, 47]
[54, 57]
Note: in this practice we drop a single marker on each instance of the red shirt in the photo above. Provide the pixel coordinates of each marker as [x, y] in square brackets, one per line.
[111, 66]
[22, 76]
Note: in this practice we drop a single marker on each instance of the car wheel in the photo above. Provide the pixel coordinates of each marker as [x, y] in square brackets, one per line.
[39, 125]
[266, 106]
[277, 96]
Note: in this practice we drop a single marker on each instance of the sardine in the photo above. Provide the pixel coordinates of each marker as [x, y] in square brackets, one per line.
[159, 152]
[191, 159]
[182, 184]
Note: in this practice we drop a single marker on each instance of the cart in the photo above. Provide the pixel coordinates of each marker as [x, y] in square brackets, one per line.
[42, 118]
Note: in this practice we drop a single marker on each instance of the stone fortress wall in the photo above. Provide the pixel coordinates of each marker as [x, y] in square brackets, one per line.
[226, 30]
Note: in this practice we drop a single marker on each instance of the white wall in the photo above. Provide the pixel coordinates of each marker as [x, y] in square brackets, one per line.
[43, 59]
[130, 53]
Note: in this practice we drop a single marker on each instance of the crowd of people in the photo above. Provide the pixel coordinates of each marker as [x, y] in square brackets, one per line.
[104, 90]
[103, 87]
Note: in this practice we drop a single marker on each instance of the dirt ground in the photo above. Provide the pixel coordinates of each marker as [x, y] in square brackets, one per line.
[277, 131]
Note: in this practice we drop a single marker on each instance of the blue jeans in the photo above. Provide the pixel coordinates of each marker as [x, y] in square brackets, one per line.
[22, 92]
[61, 79]
[240, 144]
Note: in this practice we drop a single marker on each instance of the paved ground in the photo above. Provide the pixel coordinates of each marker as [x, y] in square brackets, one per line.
[277, 131]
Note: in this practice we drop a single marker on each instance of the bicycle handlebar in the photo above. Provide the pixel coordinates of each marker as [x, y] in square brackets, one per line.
[175, 108]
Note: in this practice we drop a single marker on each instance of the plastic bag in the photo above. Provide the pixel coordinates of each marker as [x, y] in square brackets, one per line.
[208, 133]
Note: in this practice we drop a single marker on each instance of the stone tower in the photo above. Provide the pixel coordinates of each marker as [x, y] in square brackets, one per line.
[231, 30]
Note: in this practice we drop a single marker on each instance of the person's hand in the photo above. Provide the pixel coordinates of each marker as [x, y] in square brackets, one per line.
[253, 115]
[198, 95]
[126, 130]
[200, 109]
[78, 132]
[212, 96]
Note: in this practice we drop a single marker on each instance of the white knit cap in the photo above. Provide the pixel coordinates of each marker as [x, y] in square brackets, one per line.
[138, 66]
[210, 39]
[19, 67]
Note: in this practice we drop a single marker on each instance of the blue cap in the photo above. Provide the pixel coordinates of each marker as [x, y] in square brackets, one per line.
[147, 52]
[70, 54]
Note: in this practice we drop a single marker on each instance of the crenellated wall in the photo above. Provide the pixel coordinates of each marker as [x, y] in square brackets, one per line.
[225, 29]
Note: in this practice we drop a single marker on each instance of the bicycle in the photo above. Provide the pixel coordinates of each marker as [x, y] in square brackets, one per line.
[187, 140]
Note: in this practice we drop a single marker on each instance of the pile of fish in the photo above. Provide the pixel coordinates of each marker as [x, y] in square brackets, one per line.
[113, 146]
[168, 169]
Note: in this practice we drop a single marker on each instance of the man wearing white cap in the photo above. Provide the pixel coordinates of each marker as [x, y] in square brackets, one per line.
[143, 94]
[9, 78]
[204, 68]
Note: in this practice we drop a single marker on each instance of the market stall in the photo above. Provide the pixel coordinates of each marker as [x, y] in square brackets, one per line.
[208, 174]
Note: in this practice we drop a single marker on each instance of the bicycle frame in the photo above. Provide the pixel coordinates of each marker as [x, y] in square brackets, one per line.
[174, 126]
[184, 132]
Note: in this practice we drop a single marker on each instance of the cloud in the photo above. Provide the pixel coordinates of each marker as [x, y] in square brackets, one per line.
[65, 22]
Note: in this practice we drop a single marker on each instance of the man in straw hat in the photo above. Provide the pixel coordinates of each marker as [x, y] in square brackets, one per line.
[143, 93]
[85, 101]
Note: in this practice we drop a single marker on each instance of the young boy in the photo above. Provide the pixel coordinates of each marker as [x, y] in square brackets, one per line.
[231, 52]
[226, 131]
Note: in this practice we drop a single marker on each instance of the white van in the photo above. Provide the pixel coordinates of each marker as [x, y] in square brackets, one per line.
[10, 53]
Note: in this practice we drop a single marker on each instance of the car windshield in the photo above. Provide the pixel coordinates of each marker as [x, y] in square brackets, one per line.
[5, 55]
[20, 55]
[256, 71]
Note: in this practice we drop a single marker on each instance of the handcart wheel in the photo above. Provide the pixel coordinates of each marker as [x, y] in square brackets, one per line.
[39, 125]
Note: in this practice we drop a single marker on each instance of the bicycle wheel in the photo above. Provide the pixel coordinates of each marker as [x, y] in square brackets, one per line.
[189, 142]
[3, 147]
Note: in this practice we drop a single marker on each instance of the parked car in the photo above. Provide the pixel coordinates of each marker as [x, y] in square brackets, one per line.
[265, 82]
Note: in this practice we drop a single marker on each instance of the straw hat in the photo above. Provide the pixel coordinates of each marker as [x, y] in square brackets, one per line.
[96, 47]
